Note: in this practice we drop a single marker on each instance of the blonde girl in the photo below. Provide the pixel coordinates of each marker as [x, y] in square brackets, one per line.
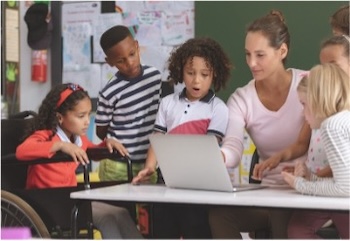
[327, 107]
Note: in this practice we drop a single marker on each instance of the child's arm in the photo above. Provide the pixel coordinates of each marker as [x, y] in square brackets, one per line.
[325, 172]
[39, 145]
[112, 144]
[148, 170]
[78, 154]
[150, 166]
[336, 146]
[101, 132]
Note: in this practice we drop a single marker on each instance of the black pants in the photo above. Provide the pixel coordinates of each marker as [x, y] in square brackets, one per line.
[172, 221]
[175, 221]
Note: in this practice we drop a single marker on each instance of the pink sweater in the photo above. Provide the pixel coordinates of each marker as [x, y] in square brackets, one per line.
[271, 131]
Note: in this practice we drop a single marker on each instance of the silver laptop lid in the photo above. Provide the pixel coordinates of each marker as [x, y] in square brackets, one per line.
[191, 161]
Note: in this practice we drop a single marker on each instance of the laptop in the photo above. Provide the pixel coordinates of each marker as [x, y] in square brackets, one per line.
[194, 162]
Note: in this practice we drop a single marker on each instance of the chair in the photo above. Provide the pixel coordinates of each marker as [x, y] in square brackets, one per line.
[326, 232]
[47, 212]
[259, 234]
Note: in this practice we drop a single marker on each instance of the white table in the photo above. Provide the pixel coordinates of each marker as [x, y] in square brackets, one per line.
[268, 197]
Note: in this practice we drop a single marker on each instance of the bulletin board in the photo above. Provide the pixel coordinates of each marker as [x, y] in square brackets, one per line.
[10, 60]
[158, 26]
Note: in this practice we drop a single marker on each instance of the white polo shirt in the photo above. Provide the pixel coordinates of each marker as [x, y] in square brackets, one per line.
[178, 115]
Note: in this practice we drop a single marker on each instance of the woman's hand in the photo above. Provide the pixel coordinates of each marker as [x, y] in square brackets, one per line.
[114, 144]
[268, 164]
[143, 175]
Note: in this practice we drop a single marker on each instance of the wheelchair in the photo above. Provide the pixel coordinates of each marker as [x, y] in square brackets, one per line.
[47, 212]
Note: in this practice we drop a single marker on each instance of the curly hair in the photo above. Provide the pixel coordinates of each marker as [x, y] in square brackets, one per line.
[206, 48]
[47, 115]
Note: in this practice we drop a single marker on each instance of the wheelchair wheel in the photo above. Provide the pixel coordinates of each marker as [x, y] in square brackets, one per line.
[15, 212]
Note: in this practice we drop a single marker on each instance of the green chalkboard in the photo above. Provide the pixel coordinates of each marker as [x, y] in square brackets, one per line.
[225, 21]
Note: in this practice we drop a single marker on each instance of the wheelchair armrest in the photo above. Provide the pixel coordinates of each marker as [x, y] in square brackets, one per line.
[99, 153]
[10, 159]
[96, 153]
[23, 114]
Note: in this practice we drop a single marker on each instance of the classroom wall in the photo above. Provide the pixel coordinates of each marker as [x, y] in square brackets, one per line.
[225, 21]
[31, 93]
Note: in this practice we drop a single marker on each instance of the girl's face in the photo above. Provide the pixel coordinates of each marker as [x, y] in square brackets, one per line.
[198, 78]
[76, 121]
[313, 122]
[262, 59]
[125, 56]
[335, 54]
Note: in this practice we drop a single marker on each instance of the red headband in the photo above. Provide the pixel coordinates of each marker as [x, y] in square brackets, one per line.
[67, 92]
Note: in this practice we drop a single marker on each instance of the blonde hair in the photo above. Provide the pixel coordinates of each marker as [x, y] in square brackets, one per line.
[328, 90]
[302, 86]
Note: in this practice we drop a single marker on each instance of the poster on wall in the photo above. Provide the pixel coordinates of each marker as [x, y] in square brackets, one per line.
[11, 60]
[158, 26]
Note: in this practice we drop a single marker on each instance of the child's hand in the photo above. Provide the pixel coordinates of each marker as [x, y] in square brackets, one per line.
[143, 175]
[301, 170]
[114, 144]
[289, 178]
[78, 154]
[325, 172]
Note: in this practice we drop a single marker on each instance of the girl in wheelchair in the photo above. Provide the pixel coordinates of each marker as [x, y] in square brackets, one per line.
[61, 124]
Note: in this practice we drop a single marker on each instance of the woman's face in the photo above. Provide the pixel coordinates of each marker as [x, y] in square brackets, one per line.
[262, 59]
[335, 54]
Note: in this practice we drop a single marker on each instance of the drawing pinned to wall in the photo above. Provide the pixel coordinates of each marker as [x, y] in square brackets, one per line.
[78, 20]
[76, 46]
[177, 27]
[158, 26]
[104, 21]
[11, 61]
